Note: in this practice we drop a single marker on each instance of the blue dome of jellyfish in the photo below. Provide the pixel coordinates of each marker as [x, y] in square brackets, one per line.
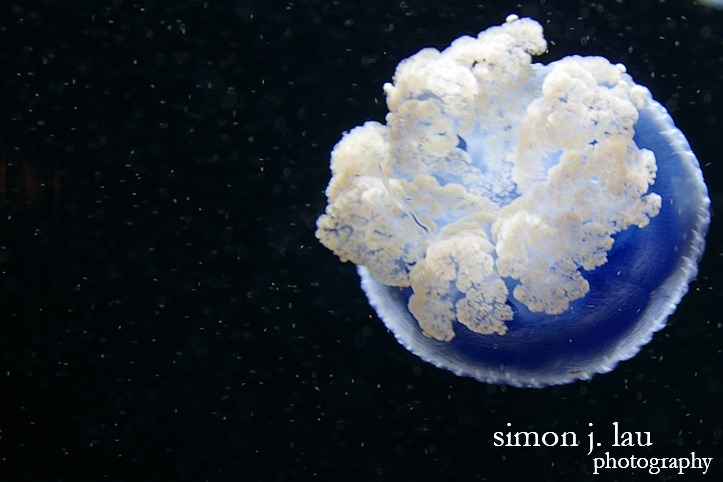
[519, 223]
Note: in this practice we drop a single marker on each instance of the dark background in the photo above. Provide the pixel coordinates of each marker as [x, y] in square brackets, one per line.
[166, 312]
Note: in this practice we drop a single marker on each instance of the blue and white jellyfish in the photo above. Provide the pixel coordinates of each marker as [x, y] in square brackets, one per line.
[519, 223]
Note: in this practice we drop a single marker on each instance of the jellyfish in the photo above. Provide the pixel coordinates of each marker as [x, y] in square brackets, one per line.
[519, 223]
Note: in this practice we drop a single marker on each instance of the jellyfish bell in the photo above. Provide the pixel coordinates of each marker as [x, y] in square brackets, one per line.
[519, 223]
